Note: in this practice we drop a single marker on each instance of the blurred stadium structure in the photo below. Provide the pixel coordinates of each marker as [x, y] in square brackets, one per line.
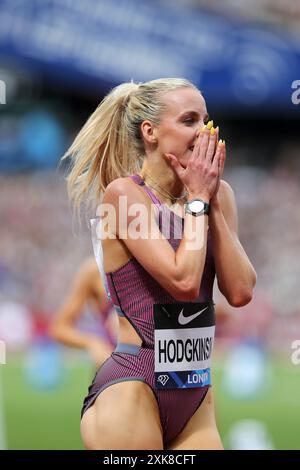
[57, 60]
[278, 12]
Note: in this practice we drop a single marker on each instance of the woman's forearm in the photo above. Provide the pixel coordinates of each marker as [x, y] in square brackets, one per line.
[70, 336]
[191, 254]
[236, 275]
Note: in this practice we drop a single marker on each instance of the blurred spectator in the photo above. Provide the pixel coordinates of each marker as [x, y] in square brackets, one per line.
[38, 251]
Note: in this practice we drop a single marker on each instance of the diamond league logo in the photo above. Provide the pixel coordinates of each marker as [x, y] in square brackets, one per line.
[163, 379]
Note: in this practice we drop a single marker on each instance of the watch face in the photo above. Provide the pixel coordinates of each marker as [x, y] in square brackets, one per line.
[196, 206]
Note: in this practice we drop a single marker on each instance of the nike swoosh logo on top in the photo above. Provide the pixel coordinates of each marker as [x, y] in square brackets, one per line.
[182, 320]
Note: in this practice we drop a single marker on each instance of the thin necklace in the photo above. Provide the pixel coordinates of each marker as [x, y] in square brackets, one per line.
[161, 191]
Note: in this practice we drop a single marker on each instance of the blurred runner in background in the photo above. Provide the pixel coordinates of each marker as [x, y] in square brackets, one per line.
[87, 288]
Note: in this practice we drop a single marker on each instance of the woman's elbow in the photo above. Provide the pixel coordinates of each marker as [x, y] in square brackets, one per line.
[53, 331]
[240, 297]
[185, 292]
[243, 292]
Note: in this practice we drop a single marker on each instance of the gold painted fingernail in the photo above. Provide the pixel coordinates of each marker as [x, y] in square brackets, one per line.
[220, 141]
[212, 131]
[224, 142]
[210, 125]
[203, 129]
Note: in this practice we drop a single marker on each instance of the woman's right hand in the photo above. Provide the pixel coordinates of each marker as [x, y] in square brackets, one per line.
[201, 175]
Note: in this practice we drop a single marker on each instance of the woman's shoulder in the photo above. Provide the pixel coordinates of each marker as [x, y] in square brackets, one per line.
[119, 184]
[123, 186]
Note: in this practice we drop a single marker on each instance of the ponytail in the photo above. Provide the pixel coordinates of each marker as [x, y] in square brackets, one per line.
[101, 151]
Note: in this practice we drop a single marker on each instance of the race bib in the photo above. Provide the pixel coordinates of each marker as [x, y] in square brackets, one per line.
[183, 343]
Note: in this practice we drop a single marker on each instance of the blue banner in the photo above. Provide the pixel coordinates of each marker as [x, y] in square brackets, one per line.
[100, 44]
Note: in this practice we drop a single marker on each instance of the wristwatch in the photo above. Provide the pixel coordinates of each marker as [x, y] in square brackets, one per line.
[197, 207]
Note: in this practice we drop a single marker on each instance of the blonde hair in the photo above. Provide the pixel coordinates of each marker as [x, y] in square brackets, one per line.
[110, 144]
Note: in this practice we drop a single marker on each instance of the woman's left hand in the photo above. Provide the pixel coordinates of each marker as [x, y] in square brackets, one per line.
[215, 199]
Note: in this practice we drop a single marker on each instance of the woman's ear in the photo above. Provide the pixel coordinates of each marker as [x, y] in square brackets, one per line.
[148, 132]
